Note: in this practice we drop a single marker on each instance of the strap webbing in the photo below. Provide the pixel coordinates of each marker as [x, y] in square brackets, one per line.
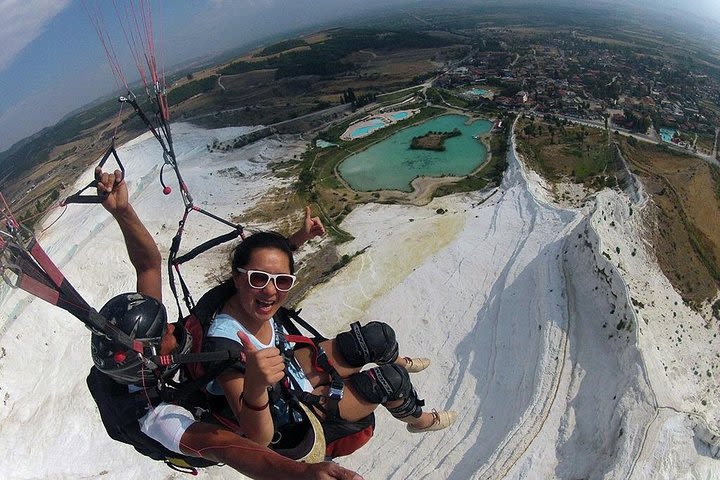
[39, 276]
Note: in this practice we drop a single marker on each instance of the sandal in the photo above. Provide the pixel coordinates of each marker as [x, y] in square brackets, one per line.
[414, 365]
[441, 419]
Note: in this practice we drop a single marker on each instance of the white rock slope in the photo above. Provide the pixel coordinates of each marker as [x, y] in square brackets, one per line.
[552, 331]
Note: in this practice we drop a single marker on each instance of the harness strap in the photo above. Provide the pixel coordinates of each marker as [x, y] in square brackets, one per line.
[203, 247]
[182, 392]
[330, 405]
[174, 261]
[39, 276]
[322, 363]
[198, 357]
[288, 316]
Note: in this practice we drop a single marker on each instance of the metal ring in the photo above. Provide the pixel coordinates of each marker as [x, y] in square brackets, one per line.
[14, 269]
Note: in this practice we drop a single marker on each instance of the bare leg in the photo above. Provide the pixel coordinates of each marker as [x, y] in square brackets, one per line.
[352, 407]
[306, 359]
[424, 420]
[402, 361]
[304, 356]
[337, 360]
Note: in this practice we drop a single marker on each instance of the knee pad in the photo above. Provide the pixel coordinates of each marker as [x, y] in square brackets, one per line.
[387, 383]
[372, 343]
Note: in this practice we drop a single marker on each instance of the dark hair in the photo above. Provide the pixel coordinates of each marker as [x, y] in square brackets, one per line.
[241, 255]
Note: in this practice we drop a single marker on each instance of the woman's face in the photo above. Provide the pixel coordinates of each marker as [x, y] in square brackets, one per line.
[258, 305]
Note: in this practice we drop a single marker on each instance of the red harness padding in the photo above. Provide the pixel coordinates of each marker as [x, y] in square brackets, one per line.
[347, 445]
[303, 340]
[194, 327]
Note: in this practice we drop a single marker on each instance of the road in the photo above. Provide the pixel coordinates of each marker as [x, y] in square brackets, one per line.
[627, 133]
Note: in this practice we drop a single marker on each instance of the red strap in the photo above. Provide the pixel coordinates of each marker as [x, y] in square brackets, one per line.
[300, 339]
[45, 263]
[39, 289]
[307, 341]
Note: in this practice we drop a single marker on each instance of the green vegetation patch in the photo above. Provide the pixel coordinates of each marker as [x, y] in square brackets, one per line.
[318, 181]
[190, 89]
[491, 172]
[433, 140]
[326, 58]
[562, 151]
[391, 98]
[281, 47]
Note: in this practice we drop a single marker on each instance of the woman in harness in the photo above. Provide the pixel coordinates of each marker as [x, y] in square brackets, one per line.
[158, 428]
[263, 273]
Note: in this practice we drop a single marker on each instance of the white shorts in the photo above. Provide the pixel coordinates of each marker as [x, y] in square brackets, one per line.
[166, 424]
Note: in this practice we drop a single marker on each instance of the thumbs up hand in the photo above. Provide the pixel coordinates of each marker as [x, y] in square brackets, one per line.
[263, 368]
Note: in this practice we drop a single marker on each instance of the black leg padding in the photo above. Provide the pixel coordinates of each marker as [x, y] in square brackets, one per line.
[388, 383]
[372, 343]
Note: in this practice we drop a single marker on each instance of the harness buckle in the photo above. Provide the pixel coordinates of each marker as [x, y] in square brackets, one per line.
[336, 389]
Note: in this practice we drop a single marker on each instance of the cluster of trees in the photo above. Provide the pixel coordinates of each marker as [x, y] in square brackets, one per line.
[240, 141]
[636, 122]
[357, 101]
[433, 140]
[190, 89]
[326, 58]
[29, 216]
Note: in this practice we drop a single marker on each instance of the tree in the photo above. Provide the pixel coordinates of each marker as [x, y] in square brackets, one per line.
[349, 96]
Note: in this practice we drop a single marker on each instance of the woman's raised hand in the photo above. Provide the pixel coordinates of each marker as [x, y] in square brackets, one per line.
[311, 227]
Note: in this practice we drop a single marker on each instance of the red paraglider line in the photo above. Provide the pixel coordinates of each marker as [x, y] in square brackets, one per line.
[97, 21]
[132, 41]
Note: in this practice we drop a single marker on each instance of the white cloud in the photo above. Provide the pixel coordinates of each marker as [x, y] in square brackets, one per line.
[22, 22]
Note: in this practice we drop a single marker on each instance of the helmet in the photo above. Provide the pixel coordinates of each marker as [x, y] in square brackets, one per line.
[142, 318]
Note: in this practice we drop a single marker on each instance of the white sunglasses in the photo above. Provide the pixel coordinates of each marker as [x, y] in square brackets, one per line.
[259, 279]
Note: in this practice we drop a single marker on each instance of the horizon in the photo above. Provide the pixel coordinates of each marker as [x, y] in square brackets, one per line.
[45, 78]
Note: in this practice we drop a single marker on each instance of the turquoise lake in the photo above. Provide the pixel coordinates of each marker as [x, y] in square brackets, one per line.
[392, 165]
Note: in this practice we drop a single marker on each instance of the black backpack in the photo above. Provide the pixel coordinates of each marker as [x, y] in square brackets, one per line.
[120, 410]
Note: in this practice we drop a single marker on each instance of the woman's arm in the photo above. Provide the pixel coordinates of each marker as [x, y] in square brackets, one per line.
[255, 421]
[247, 394]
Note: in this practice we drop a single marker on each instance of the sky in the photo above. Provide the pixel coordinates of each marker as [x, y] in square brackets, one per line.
[52, 62]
